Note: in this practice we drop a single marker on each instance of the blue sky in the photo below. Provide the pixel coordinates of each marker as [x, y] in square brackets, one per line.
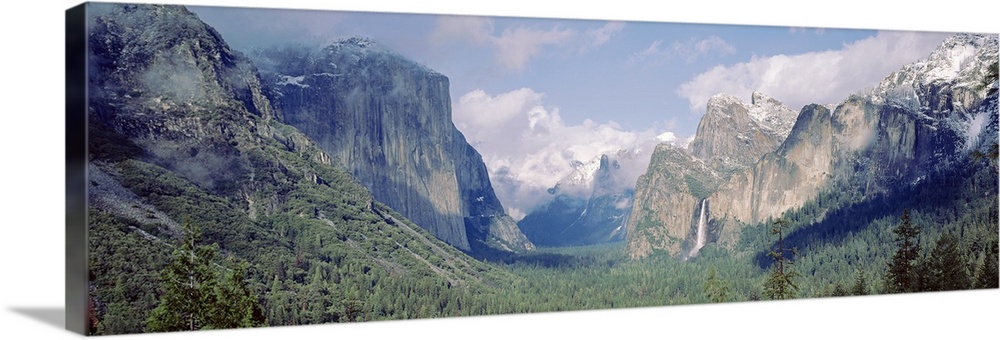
[534, 95]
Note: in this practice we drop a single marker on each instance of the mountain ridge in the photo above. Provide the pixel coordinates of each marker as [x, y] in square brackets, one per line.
[913, 122]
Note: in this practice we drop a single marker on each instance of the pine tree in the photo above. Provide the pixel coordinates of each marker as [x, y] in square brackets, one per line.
[780, 284]
[352, 310]
[716, 289]
[193, 298]
[987, 275]
[188, 287]
[901, 276]
[946, 266]
[236, 304]
[278, 313]
[860, 284]
[838, 290]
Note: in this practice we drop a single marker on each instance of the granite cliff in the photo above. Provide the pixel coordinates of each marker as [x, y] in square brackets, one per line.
[731, 136]
[921, 120]
[388, 121]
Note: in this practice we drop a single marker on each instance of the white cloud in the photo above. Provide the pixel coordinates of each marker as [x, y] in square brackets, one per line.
[600, 36]
[528, 148]
[653, 50]
[477, 30]
[710, 45]
[667, 137]
[815, 77]
[690, 50]
[515, 47]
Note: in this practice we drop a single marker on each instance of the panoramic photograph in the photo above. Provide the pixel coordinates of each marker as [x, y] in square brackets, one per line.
[252, 167]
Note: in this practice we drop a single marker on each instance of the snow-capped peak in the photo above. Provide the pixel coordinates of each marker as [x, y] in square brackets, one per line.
[961, 59]
[352, 49]
[771, 113]
[767, 112]
[583, 173]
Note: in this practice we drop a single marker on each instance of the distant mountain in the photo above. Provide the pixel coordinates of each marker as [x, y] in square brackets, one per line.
[388, 121]
[589, 206]
[922, 120]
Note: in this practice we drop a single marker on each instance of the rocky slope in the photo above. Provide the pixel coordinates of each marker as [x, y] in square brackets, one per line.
[731, 136]
[925, 118]
[388, 121]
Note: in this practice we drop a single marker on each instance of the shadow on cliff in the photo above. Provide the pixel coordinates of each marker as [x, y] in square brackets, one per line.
[951, 189]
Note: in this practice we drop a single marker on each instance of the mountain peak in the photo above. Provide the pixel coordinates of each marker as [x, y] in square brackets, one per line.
[768, 113]
[351, 50]
[961, 59]
[772, 114]
[724, 99]
[757, 97]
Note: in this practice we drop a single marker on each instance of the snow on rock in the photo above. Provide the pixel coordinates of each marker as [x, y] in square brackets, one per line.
[289, 80]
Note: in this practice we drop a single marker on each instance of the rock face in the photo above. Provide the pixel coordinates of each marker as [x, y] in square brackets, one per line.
[173, 92]
[733, 134]
[919, 120]
[590, 206]
[667, 200]
[388, 121]
[926, 117]
[731, 137]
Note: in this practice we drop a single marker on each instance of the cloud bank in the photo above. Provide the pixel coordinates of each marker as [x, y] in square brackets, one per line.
[528, 148]
[817, 77]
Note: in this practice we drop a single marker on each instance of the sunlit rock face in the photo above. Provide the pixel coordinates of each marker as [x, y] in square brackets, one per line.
[731, 137]
[922, 119]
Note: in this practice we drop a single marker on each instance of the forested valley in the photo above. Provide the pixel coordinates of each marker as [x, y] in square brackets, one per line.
[928, 238]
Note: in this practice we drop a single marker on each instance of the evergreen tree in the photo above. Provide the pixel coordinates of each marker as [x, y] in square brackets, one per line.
[716, 289]
[236, 304]
[352, 310]
[192, 296]
[277, 304]
[987, 275]
[901, 276]
[860, 284]
[838, 290]
[946, 266]
[780, 283]
[188, 285]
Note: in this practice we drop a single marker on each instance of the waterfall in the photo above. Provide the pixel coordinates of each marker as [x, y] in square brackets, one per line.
[702, 237]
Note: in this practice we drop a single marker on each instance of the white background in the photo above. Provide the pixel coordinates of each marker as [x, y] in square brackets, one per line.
[32, 170]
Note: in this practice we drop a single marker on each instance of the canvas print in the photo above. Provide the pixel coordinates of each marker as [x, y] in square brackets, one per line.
[249, 167]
